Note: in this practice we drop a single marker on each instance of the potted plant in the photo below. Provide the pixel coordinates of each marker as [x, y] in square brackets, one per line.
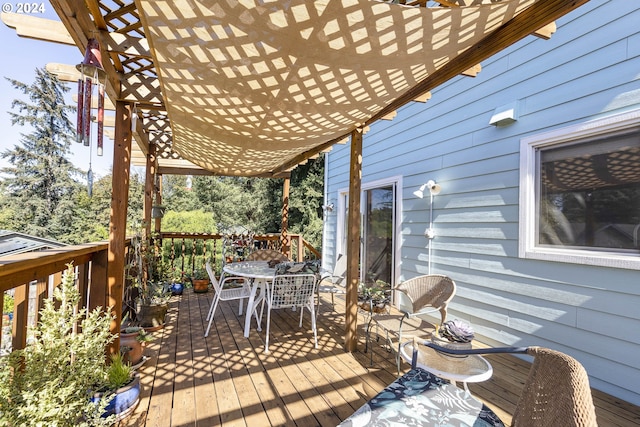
[133, 340]
[453, 334]
[176, 278]
[200, 280]
[49, 381]
[147, 274]
[122, 388]
[374, 298]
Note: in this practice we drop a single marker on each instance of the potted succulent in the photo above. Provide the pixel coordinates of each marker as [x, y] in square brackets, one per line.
[200, 280]
[374, 298]
[454, 334]
[49, 381]
[122, 388]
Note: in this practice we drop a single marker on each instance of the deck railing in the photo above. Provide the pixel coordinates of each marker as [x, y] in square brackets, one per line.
[31, 276]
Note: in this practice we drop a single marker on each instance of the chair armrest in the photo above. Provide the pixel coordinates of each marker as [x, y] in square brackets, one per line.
[490, 350]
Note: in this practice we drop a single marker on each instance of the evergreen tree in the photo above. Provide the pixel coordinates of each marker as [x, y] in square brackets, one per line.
[39, 186]
[305, 201]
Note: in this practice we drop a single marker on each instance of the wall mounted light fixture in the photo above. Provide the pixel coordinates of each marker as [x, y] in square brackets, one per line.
[433, 189]
[431, 186]
[328, 207]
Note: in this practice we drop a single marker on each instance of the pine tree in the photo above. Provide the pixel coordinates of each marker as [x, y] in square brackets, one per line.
[39, 185]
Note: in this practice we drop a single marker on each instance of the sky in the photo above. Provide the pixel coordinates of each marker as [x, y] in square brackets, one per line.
[20, 57]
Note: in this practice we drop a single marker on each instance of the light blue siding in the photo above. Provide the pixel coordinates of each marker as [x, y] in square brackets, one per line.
[589, 69]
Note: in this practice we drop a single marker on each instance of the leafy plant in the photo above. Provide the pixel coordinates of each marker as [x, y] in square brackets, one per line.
[147, 270]
[141, 333]
[200, 274]
[48, 383]
[8, 303]
[377, 292]
[119, 373]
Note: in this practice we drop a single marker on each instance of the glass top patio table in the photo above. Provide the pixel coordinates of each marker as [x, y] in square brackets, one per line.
[466, 369]
[259, 272]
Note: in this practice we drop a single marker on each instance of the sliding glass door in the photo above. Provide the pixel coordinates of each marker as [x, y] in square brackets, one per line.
[378, 234]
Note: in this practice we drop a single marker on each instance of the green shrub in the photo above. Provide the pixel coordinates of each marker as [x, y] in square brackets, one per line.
[49, 382]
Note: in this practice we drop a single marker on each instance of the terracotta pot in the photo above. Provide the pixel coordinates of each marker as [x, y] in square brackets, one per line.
[200, 285]
[132, 348]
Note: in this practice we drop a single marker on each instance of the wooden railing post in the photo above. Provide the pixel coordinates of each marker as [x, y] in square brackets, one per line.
[20, 313]
[98, 286]
[42, 292]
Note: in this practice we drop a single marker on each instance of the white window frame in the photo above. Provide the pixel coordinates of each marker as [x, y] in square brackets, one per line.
[527, 225]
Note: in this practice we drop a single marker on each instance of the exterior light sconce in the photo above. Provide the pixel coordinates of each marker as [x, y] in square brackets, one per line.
[328, 207]
[434, 189]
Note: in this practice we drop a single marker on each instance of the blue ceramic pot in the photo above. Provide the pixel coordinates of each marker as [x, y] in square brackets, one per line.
[125, 400]
[177, 288]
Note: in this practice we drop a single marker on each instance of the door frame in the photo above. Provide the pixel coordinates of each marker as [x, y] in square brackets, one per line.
[342, 198]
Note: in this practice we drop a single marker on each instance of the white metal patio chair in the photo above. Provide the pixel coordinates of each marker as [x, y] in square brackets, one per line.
[291, 291]
[221, 294]
[333, 282]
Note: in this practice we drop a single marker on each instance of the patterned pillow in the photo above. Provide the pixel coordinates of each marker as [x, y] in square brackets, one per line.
[306, 267]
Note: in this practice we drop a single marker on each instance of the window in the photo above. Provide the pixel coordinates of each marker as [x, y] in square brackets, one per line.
[580, 193]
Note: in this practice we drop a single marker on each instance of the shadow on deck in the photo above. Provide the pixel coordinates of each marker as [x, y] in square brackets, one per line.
[226, 379]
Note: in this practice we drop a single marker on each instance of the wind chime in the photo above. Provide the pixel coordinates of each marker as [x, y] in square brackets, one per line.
[92, 78]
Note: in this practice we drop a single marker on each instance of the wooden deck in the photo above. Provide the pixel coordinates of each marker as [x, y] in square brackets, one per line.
[226, 379]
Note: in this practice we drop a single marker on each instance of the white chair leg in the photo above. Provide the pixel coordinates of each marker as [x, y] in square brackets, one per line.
[314, 326]
[301, 313]
[240, 309]
[216, 299]
[266, 338]
[211, 306]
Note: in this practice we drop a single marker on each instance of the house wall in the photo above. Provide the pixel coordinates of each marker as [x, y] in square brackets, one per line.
[589, 69]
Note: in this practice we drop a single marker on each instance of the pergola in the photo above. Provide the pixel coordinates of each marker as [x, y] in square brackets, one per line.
[254, 88]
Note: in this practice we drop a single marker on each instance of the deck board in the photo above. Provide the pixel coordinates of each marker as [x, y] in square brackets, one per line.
[228, 380]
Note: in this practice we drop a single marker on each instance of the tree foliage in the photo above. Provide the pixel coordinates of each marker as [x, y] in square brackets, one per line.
[42, 193]
[40, 184]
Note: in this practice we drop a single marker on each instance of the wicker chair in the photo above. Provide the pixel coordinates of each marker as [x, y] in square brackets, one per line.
[266, 255]
[556, 392]
[416, 297]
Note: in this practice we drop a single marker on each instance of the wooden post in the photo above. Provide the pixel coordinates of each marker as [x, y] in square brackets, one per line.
[118, 223]
[284, 237]
[42, 293]
[149, 187]
[353, 242]
[20, 315]
[98, 296]
[158, 193]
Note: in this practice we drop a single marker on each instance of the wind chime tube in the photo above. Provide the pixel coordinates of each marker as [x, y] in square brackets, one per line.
[86, 117]
[79, 122]
[100, 137]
